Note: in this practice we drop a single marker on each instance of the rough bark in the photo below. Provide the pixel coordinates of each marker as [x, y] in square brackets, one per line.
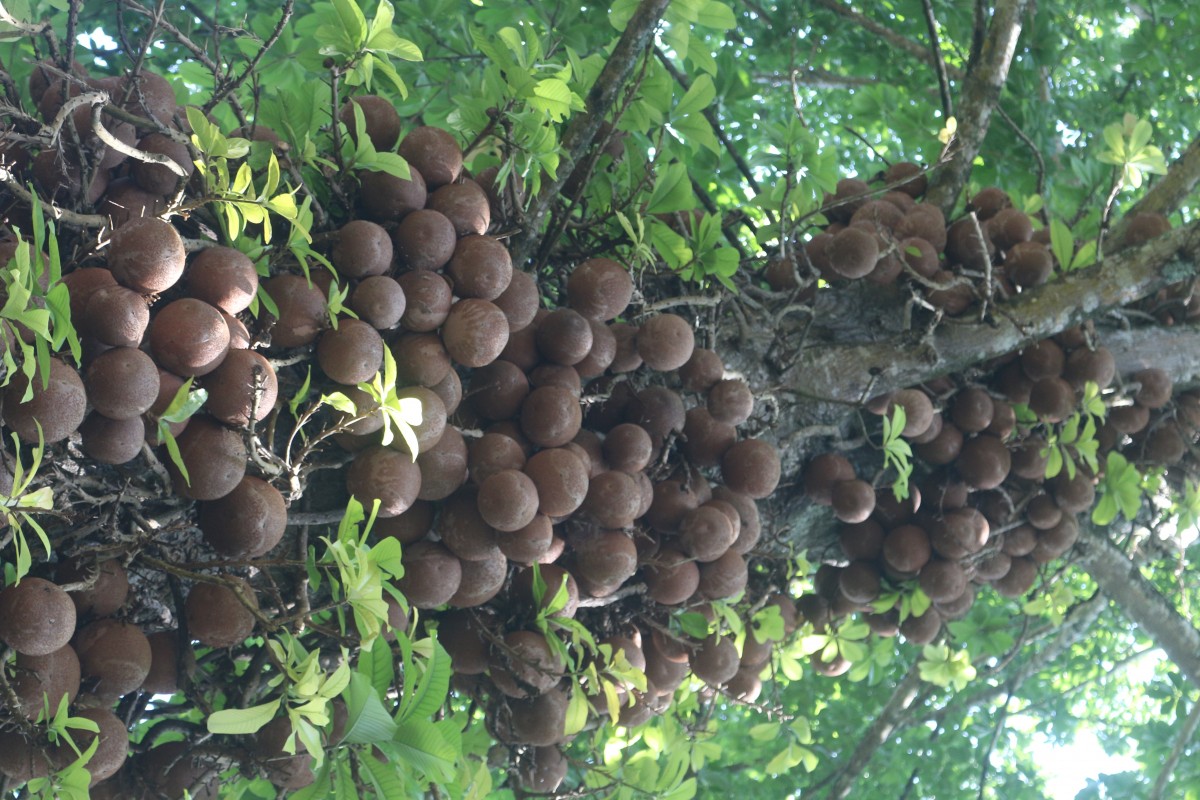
[1121, 580]
[876, 734]
[977, 100]
[1169, 192]
[584, 126]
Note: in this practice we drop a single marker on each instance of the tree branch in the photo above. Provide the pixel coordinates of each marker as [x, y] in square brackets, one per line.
[814, 77]
[877, 733]
[583, 127]
[881, 366]
[1120, 579]
[939, 63]
[1168, 193]
[1181, 743]
[979, 96]
[896, 40]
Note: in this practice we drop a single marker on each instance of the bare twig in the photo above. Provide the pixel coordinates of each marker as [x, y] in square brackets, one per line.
[1181, 742]
[583, 127]
[939, 63]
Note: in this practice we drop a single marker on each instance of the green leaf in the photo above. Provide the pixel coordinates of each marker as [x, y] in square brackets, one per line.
[717, 15]
[698, 97]
[1062, 243]
[552, 96]
[368, 722]
[423, 745]
[236, 721]
[354, 24]
[672, 191]
[429, 693]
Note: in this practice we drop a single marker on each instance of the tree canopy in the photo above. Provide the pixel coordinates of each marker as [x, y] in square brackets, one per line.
[662, 398]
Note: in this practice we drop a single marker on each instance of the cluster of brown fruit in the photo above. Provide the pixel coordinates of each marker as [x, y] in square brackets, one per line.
[981, 509]
[576, 459]
[884, 235]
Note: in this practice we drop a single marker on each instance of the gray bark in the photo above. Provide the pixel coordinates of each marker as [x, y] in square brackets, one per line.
[977, 100]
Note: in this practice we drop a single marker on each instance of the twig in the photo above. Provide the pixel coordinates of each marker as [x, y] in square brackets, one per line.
[939, 63]
[583, 127]
[1181, 742]
[221, 91]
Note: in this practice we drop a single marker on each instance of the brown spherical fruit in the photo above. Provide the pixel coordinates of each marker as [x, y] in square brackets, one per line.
[1028, 264]
[1052, 399]
[58, 406]
[972, 410]
[751, 467]
[702, 370]
[475, 332]
[379, 301]
[351, 353]
[108, 584]
[435, 153]
[671, 577]
[380, 120]
[385, 197]
[1084, 364]
[122, 383]
[665, 342]
[189, 337]
[561, 480]
[36, 617]
[40, 680]
[724, 577]
[520, 300]
[466, 205]
[432, 574]
[146, 255]
[705, 439]
[600, 289]
[246, 523]
[116, 316]
[284, 770]
[823, 473]
[1009, 227]
[716, 661]
[481, 580]
[613, 499]
[853, 500]
[853, 253]
[480, 267]
[730, 401]
[942, 580]
[424, 240]
[216, 617]
[906, 549]
[362, 249]
[1155, 389]
[508, 500]
[381, 473]
[114, 657]
[243, 386]
[984, 462]
[223, 277]
[443, 466]
[113, 745]
[215, 457]
[551, 416]
[564, 337]
[1019, 579]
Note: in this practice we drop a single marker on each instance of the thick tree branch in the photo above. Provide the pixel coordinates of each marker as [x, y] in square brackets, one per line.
[1167, 194]
[583, 128]
[876, 734]
[1120, 579]
[822, 372]
[979, 96]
